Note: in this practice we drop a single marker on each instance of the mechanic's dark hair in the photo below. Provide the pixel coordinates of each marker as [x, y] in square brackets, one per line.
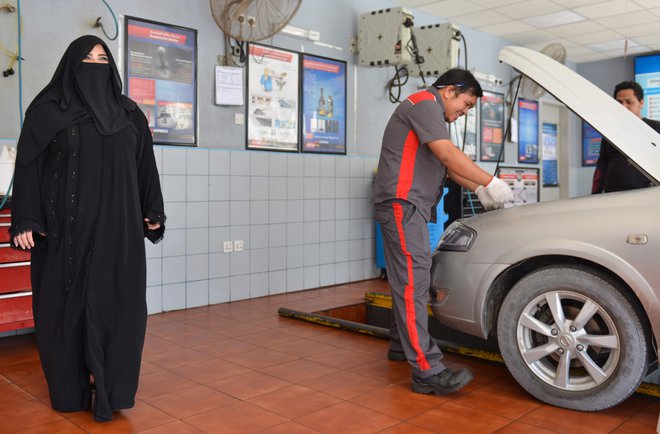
[462, 79]
[639, 92]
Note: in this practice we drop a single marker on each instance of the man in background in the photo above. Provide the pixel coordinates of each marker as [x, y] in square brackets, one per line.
[614, 172]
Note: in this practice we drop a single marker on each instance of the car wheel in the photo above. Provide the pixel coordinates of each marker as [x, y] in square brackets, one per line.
[572, 339]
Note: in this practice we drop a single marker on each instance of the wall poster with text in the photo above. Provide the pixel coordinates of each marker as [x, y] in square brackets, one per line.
[458, 132]
[523, 181]
[528, 131]
[549, 152]
[591, 140]
[492, 126]
[323, 105]
[273, 99]
[160, 75]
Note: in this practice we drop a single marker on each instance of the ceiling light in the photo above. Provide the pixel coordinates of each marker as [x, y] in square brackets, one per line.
[554, 19]
[618, 44]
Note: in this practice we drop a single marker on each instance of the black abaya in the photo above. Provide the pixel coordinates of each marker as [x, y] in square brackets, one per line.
[89, 194]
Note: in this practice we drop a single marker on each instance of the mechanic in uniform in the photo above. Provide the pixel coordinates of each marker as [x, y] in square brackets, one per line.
[416, 156]
[614, 171]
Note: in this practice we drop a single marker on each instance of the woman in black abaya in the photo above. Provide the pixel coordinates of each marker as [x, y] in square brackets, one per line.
[86, 194]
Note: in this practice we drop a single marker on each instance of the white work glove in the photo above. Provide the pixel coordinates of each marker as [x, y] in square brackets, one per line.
[499, 190]
[486, 201]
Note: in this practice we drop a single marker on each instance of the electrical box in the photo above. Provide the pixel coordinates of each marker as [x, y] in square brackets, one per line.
[384, 37]
[439, 45]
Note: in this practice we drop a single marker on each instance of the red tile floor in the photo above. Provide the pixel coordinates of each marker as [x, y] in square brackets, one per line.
[239, 367]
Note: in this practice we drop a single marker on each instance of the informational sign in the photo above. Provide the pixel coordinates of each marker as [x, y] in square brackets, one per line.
[528, 131]
[323, 105]
[523, 181]
[590, 144]
[647, 74]
[492, 126]
[549, 152]
[458, 132]
[228, 85]
[273, 99]
[161, 77]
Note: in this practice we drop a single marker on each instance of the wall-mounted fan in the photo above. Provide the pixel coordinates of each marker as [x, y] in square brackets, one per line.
[253, 20]
[531, 90]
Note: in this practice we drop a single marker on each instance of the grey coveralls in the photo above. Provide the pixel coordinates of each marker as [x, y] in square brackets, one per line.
[407, 189]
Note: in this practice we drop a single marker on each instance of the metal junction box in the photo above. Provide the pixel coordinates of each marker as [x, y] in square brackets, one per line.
[439, 45]
[383, 38]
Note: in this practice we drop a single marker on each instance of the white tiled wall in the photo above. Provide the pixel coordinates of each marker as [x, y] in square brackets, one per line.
[305, 221]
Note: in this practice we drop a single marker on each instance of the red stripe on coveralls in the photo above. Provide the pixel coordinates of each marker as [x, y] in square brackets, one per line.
[420, 96]
[407, 169]
[409, 291]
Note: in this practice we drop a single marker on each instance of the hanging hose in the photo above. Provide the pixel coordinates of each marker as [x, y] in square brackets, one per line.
[99, 24]
[508, 126]
[20, 89]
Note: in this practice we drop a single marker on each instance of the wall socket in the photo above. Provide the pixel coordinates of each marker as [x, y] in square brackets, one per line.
[227, 246]
[238, 246]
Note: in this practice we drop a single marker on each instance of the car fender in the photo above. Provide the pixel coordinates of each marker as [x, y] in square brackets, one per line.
[574, 249]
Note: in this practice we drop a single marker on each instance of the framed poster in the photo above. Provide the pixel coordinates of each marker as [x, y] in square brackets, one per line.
[457, 131]
[492, 126]
[549, 152]
[323, 105]
[647, 74]
[523, 181]
[590, 144]
[273, 99]
[528, 131]
[160, 75]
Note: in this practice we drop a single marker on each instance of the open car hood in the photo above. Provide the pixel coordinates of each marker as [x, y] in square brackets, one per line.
[621, 127]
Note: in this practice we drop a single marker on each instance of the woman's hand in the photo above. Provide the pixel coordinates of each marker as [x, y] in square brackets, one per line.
[152, 226]
[25, 240]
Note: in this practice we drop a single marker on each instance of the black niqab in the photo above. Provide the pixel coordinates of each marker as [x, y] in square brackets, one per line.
[61, 103]
[95, 89]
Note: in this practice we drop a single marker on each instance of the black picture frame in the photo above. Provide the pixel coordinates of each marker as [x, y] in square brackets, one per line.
[528, 131]
[160, 75]
[272, 103]
[322, 126]
[492, 126]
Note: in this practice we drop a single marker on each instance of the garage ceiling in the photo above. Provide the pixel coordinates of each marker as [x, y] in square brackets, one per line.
[589, 29]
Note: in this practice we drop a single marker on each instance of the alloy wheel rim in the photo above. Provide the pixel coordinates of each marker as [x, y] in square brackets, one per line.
[568, 340]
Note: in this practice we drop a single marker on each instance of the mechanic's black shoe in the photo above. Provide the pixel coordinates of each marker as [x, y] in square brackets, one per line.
[396, 356]
[443, 383]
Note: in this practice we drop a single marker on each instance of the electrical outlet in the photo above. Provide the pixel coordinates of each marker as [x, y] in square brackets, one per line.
[227, 246]
[238, 245]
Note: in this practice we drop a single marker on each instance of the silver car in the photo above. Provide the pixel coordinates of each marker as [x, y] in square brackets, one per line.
[570, 287]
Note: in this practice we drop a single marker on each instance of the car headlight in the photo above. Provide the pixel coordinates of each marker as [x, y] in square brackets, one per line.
[457, 238]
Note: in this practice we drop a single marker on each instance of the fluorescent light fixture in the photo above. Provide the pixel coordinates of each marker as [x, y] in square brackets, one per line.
[619, 44]
[554, 19]
[323, 44]
[299, 32]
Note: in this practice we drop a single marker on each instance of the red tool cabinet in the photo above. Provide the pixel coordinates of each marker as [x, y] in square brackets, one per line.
[15, 288]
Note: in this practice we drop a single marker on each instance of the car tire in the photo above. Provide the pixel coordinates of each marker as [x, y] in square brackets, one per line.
[589, 355]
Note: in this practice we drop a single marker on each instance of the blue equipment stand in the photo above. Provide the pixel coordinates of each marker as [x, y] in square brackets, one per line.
[435, 232]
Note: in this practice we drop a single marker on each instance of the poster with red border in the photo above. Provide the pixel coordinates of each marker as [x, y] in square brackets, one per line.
[492, 126]
[273, 99]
